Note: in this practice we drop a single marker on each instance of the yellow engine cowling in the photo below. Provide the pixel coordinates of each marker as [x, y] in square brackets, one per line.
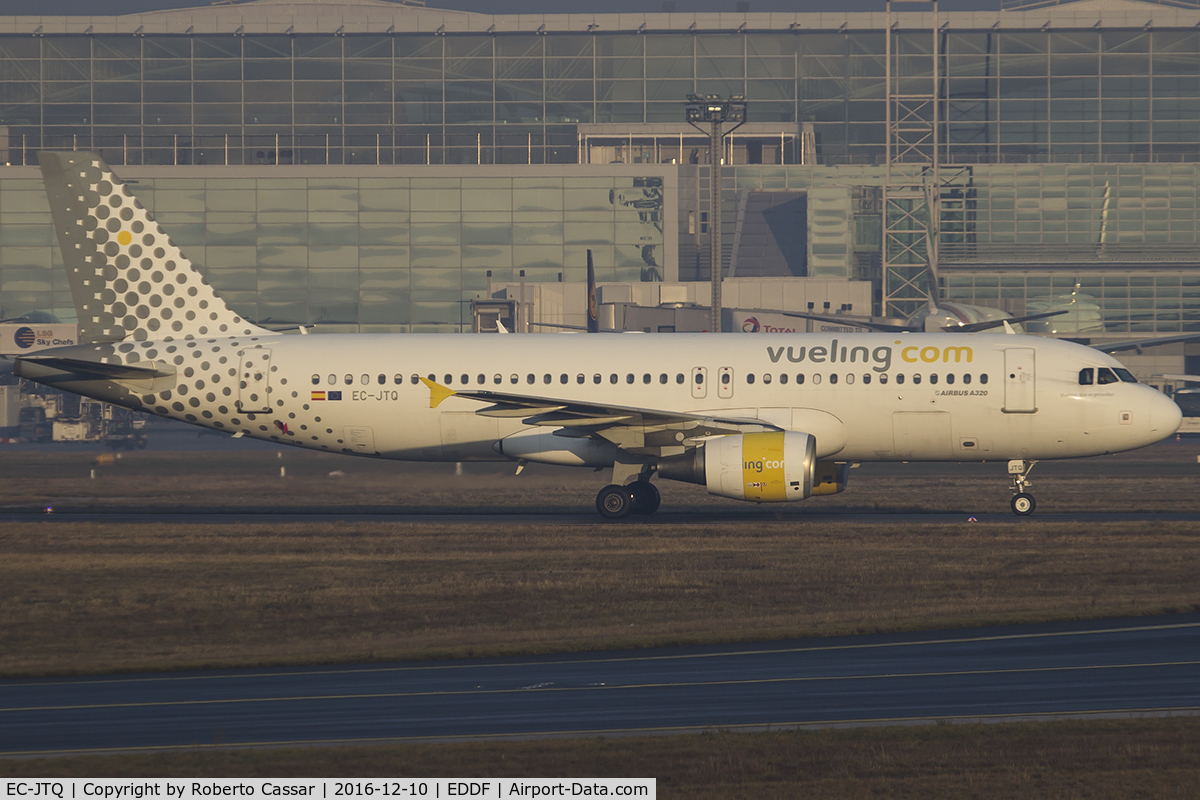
[831, 477]
[771, 467]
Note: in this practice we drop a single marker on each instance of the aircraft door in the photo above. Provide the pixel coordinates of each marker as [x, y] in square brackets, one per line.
[725, 382]
[254, 376]
[699, 382]
[1019, 393]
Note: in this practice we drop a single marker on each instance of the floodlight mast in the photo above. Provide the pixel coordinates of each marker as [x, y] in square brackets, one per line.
[716, 112]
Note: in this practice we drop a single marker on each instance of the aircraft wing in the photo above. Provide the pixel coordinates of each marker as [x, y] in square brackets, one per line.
[976, 327]
[882, 327]
[642, 431]
[80, 366]
[1139, 344]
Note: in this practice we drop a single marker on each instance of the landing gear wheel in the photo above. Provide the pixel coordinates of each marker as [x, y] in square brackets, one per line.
[646, 498]
[615, 502]
[1023, 504]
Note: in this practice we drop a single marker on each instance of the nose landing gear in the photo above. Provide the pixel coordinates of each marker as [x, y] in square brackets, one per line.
[1023, 503]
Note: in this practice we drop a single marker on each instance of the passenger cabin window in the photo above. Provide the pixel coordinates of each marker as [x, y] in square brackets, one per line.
[900, 377]
[749, 377]
[699, 378]
[513, 379]
[580, 378]
[833, 378]
[316, 379]
[449, 380]
[481, 379]
[866, 377]
[596, 379]
[382, 379]
[398, 379]
[530, 378]
[917, 378]
[646, 377]
[679, 378]
[662, 378]
[967, 378]
[612, 378]
[1104, 375]
[982, 378]
[497, 379]
[349, 379]
[416, 379]
[850, 378]
[364, 380]
[332, 380]
[816, 379]
[933, 378]
[466, 379]
[799, 378]
[1087, 376]
[725, 377]
[564, 378]
[783, 378]
[950, 377]
[629, 377]
[883, 379]
[547, 378]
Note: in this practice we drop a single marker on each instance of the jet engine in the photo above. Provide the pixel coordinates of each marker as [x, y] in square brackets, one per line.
[762, 467]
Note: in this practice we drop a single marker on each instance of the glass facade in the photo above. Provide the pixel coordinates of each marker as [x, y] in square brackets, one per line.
[1097, 94]
[396, 253]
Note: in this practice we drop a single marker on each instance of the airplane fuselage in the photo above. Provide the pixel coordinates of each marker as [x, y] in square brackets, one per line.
[865, 397]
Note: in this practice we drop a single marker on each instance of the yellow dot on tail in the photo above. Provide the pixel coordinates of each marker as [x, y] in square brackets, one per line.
[124, 238]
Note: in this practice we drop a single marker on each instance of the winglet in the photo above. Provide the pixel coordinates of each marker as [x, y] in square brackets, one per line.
[1008, 328]
[437, 392]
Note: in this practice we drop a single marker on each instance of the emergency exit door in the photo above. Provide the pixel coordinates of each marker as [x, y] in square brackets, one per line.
[1020, 396]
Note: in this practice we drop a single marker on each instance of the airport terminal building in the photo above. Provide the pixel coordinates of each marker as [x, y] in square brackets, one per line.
[364, 165]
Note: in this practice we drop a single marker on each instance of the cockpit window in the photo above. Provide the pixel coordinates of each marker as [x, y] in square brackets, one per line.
[1125, 375]
[1087, 376]
[1104, 375]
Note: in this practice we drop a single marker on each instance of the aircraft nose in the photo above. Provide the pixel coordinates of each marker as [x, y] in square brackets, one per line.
[1165, 416]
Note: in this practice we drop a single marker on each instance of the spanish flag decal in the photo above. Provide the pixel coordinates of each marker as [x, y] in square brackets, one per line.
[318, 395]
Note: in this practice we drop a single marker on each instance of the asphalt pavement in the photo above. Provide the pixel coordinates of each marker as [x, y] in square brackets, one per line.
[1125, 667]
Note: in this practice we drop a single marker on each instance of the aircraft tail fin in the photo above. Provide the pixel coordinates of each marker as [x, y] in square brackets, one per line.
[127, 278]
[593, 310]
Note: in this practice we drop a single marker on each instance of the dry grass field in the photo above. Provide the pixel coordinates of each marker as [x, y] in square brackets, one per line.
[1099, 760]
[82, 597]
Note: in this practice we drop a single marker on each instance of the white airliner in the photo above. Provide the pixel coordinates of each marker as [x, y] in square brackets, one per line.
[762, 418]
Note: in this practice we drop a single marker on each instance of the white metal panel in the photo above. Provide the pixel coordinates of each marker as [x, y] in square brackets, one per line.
[1020, 395]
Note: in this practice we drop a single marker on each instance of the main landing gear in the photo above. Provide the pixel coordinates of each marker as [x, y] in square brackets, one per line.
[1023, 503]
[640, 497]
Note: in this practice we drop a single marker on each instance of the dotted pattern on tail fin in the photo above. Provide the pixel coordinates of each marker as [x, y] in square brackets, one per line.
[128, 279]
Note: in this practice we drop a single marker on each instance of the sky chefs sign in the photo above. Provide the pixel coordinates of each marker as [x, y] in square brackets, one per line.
[17, 339]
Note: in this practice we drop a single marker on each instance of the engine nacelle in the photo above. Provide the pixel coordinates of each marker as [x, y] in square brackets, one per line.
[762, 467]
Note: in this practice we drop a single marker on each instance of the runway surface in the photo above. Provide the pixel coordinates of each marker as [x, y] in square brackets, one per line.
[1143, 666]
[585, 518]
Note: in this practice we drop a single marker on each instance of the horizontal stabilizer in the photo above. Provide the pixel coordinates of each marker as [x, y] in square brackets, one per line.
[80, 366]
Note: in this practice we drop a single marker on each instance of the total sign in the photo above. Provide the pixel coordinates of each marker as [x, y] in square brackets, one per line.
[21, 338]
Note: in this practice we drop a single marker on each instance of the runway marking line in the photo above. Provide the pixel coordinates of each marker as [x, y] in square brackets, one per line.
[14, 683]
[841, 723]
[623, 687]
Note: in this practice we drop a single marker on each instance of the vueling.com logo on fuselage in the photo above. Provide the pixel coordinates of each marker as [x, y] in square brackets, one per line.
[879, 357]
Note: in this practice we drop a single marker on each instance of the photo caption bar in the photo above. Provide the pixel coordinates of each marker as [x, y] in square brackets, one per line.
[435, 788]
